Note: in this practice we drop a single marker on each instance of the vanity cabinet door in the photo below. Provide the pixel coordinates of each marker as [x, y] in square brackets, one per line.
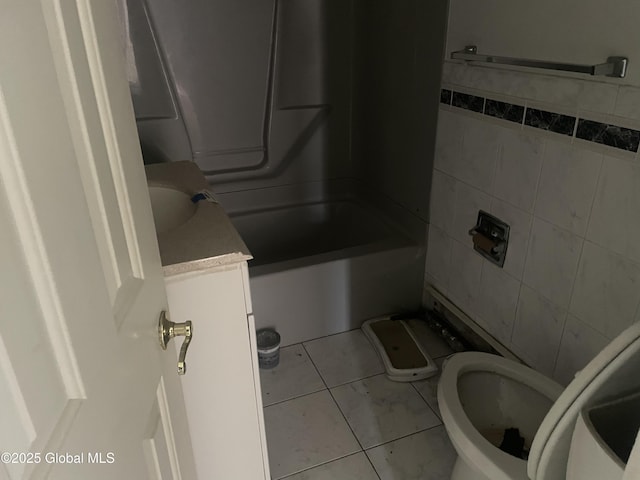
[224, 409]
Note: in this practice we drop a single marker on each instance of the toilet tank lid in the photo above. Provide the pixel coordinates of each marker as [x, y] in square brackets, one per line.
[609, 374]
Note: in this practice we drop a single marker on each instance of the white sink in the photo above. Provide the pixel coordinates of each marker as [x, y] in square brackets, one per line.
[171, 207]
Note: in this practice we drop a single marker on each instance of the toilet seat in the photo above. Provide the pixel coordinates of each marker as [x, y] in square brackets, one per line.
[469, 442]
[614, 371]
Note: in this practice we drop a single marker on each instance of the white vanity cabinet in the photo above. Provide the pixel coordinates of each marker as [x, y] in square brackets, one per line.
[222, 383]
[205, 271]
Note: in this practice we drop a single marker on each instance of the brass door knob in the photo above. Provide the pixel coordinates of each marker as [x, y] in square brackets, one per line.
[167, 330]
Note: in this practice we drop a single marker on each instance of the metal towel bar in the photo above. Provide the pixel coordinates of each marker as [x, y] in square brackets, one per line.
[614, 67]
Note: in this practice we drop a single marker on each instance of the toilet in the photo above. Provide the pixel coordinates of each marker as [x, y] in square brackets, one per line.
[480, 395]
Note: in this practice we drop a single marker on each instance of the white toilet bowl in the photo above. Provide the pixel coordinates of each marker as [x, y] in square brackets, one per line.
[479, 392]
[479, 396]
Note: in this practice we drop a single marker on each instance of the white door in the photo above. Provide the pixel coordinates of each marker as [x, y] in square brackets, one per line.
[85, 390]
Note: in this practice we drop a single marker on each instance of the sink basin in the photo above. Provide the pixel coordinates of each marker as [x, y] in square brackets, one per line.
[171, 207]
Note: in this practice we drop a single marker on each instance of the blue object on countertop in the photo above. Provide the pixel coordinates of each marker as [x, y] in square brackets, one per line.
[204, 195]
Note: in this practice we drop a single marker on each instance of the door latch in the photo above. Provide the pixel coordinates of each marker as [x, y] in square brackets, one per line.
[167, 330]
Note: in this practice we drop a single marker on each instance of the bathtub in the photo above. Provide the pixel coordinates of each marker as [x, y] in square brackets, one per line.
[328, 262]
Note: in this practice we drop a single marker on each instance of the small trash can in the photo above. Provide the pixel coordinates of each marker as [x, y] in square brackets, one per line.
[268, 348]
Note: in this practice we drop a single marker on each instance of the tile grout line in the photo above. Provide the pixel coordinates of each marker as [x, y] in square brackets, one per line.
[425, 400]
[327, 463]
[340, 410]
[584, 237]
[303, 394]
[321, 464]
[526, 255]
[335, 402]
[371, 376]
[302, 344]
[519, 208]
[362, 449]
[324, 336]
[573, 287]
[295, 397]
[405, 436]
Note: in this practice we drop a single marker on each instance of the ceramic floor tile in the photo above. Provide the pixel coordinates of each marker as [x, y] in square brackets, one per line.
[426, 455]
[306, 432]
[428, 388]
[379, 410]
[353, 467]
[344, 357]
[294, 376]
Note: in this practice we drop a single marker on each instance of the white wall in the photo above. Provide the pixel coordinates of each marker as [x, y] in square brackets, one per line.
[571, 281]
[578, 31]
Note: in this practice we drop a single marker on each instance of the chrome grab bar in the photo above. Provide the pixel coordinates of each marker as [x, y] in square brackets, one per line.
[614, 67]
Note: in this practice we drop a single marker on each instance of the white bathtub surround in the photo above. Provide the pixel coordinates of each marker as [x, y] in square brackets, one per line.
[329, 261]
[394, 427]
[573, 254]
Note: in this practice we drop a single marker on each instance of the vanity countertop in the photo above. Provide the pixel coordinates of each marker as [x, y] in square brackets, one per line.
[208, 239]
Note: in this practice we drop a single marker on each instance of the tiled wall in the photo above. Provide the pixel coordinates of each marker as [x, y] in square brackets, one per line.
[556, 158]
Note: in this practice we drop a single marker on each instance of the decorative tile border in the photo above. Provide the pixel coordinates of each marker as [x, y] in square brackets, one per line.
[445, 96]
[468, 102]
[611, 135]
[552, 122]
[505, 111]
[617, 137]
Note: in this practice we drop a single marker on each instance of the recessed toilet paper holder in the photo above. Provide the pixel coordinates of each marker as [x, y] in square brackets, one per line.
[490, 238]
